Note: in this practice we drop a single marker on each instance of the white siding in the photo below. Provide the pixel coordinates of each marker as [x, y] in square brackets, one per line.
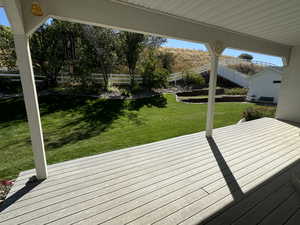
[262, 85]
[289, 101]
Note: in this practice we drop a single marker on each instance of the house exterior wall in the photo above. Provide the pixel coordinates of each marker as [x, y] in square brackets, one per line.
[263, 85]
[289, 99]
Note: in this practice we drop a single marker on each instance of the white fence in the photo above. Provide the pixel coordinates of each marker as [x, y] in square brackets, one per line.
[117, 79]
[124, 79]
[120, 79]
[16, 77]
[113, 78]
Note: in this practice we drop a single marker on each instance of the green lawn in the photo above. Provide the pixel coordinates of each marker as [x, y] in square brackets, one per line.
[81, 126]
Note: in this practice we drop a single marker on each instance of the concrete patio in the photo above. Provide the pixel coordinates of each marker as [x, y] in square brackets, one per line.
[240, 176]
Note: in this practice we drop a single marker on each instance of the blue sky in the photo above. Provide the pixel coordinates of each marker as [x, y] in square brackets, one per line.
[3, 18]
[184, 44]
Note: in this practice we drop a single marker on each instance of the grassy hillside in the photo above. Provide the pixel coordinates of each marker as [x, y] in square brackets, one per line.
[188, 58]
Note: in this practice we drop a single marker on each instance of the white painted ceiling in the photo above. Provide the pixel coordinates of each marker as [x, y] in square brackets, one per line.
[276, 20]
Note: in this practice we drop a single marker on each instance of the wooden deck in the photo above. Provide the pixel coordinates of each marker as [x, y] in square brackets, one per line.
[241, 176]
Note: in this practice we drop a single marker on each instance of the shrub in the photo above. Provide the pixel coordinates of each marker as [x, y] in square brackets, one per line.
[9, 87]
[236, 91]
[246, 68]
[193, 79]
[135, 88]
[246, 56]
[156, 79]
[167, 60]
[153, 75]
[113, 89]
[257, 112]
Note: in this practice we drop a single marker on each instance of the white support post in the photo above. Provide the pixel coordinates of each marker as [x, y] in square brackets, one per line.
[31, 103]
[215, 50]
[288, 107]
[13, 10]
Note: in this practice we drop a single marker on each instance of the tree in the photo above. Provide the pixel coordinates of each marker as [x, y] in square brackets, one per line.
[7, 48]
[132, 44]
[246, 56]
[49, 45]
[71, 35]
[167, 60]
[46, 52]
[56, 46]
[192, 79]
[102, 46]
[154, 41]
[153, 75]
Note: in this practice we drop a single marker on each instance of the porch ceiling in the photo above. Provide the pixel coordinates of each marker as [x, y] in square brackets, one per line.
[276, 20]
[172, 22]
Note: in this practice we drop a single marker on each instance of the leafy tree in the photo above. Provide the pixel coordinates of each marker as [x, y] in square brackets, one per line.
[101, 50]
[192, 79]
[71, 35]
[7, 48]
[47, 55]
[153, 75]
[43, 44]
[132, 44]
[167, 60]
[49, 48]
[79, 49]
[246, 56]
[154, 41]
[53, 46]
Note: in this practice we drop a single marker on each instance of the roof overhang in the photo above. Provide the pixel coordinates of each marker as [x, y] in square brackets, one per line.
[116, 15]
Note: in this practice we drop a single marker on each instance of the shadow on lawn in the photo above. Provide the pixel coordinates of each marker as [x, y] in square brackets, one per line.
[97, 115]
[158, 101]
[13, 109]
[91, 115]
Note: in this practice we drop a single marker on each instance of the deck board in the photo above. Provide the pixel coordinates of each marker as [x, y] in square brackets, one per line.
[284, 211]
[294, 219]
[241, 176]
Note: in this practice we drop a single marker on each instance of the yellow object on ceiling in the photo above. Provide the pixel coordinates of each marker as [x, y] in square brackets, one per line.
[36, 9]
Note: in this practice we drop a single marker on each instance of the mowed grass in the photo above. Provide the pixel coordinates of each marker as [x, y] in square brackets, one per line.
[80, 126]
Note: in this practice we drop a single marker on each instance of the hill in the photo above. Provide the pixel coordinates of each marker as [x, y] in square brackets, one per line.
[188, 58]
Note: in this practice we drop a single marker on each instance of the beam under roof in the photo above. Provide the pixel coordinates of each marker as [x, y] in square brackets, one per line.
[125, 17]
